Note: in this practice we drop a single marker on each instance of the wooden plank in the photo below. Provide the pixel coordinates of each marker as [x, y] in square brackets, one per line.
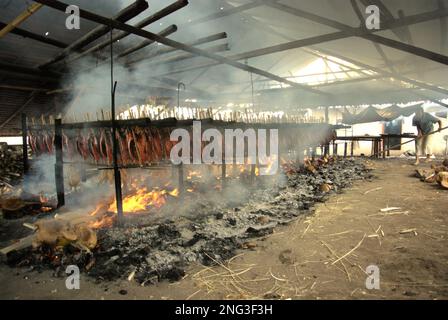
[21, 244]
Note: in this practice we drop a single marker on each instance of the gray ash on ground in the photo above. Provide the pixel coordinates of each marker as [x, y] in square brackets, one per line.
[164, 249]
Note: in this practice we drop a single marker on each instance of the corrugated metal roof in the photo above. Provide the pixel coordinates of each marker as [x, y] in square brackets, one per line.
[253, 29]
[11, 100]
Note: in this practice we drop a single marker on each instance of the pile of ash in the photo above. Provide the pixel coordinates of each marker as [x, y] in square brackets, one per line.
[165, 248]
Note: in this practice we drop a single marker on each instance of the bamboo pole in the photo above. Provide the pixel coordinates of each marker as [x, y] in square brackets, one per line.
[20, 18]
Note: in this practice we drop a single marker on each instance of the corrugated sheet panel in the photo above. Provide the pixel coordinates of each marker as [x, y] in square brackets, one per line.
[11, 100]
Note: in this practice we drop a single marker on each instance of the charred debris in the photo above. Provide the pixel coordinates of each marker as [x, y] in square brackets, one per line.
[163, 247]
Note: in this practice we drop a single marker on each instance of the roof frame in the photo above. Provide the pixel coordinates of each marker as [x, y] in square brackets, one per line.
[295, 44]
[175, 44]
[357, 32]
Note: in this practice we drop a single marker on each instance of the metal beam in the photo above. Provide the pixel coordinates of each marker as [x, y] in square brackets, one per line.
[406, 31]
[385, 74]
[20, 18]
[180, 57]
[37, 37]
[124, 15]
[164, 33]
[144, 23]
[171, 29]
[181, 46]
[377, 46]
[381, 77]
[225, 13]
[414, 19]
[47, 75]
[356, 32]
[386, 15]
[165, 50]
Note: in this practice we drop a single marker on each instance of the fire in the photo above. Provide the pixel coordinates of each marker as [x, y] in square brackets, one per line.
[143, 200]
[194, 174]
[105, 221]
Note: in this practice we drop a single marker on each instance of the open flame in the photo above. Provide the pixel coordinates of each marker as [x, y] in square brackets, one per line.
[140, 201]
[143, 200]
[194, 174]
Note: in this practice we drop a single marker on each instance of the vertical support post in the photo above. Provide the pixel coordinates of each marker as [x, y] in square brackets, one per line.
[223, 175]
[252, 173]
[345, 149]
[384, 146]
[25, 144]
[327, 149]
[388, 147]
[351, 148]
[117, 175]
[59, 166]
[335, 148]
[378, 148]
[180, 177]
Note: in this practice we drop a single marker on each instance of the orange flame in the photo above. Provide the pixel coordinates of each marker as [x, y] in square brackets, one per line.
[194, 174]
[138, 202]
[143, 199]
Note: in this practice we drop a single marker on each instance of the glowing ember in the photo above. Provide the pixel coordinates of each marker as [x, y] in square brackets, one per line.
[194, 174]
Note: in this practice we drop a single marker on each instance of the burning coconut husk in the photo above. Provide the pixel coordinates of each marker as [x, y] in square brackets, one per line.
[59, 233]
[205, 233]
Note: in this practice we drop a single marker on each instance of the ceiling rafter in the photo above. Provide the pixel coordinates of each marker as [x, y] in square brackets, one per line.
[175, 44]
[386, 74]
[295, 44]
[434, 56]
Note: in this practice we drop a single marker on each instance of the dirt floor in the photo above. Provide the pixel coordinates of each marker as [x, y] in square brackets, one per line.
[321, 256]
